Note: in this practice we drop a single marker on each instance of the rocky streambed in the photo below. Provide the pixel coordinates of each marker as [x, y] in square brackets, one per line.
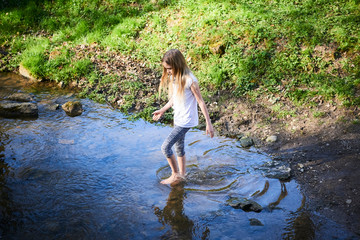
[24, 105]
[18, 105]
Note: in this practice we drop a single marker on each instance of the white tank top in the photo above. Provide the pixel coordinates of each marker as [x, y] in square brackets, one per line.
[185, 108]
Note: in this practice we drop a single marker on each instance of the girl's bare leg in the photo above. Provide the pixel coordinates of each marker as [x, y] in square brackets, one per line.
[182, 166]
[174, 170]
[176, 176]
[173, 164]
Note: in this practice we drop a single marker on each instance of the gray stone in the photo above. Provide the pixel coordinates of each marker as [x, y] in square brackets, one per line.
[72, 108]
[18, 110]
[49, 105]
[271, 139]
[244, 204]
[246, 142]
[255, 222]
[282, 173]
[276, 169]
[21, 97]
[52, 106]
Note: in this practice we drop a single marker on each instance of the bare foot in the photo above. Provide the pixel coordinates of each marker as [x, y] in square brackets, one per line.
[173, 179]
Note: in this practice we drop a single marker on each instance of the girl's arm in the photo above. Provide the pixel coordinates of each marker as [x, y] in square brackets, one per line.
[196, 91]
[159, 113]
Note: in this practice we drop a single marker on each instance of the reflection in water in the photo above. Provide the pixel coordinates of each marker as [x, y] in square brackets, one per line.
[300, 227]
[217, 149]
[282, 195]
[190, 144]
[174, 216]
[266, 188]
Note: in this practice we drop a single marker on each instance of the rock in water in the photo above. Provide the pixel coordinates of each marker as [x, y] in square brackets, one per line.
[18, 110]
[244, 204]
[276, 169]
[52, 106]
[72, 108]
[255, 222]
[21, 97]
[246, 142]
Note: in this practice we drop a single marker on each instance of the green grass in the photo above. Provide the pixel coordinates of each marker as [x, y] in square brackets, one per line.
[318, 114]
[305, 48]
[281, 113]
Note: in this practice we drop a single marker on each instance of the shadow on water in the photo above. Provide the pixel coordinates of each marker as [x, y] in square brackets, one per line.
[97, 176]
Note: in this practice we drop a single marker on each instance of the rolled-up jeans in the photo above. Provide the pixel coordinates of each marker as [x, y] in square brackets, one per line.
[176, 138]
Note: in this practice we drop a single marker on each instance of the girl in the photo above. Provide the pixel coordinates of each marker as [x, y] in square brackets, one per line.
[184, 95]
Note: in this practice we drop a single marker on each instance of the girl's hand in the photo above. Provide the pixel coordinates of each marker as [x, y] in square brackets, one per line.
[157, 115]
[210, 130]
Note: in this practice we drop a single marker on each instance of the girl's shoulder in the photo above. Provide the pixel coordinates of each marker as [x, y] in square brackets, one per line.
[190, 79]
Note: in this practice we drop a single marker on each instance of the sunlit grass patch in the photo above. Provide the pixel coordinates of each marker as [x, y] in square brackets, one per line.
[298, 49]
[123, 34]
[34, 57]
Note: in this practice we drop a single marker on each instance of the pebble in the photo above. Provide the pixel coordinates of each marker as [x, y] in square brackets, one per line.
[348, 201]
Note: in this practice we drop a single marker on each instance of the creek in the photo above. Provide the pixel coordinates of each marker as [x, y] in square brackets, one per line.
[97, 176]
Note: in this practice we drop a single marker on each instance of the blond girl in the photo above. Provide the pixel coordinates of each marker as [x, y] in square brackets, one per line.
[184, 96]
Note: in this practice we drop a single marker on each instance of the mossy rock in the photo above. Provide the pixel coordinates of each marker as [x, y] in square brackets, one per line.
[246, 142]
[72, 108]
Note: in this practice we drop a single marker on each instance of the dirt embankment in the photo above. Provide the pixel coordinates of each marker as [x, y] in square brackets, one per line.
[321, 144]
[323, 151]
[326, 163]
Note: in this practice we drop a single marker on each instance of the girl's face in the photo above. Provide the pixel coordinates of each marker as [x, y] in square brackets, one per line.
[168, 68]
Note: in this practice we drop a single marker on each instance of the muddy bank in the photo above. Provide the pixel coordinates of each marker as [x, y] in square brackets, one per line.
[327, 165]
[320, 143]
[323, 152]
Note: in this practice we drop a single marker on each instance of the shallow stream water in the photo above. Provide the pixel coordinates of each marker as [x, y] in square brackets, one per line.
[96, 176]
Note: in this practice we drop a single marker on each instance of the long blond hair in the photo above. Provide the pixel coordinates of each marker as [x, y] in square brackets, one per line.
[180, 71]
